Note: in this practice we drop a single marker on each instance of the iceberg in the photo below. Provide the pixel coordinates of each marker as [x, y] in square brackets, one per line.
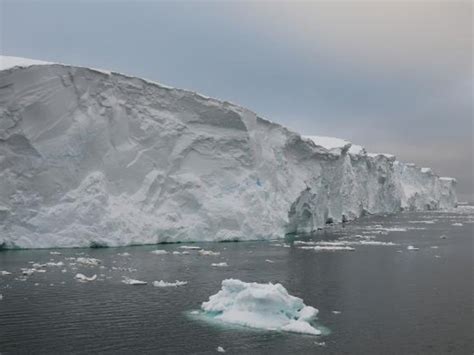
[93, 158]
[261, 306]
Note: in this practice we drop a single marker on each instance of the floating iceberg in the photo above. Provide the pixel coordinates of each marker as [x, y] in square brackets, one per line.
[262, 306]
[159, 252]
[223, 264]
[129, 281]
[84, 278]
[97, 158]
[162, 283]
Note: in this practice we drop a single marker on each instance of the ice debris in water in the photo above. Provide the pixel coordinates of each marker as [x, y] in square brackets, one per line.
[88, 261]
[129, 281]
[190, 247]
[220, 349]
[263, 306]
[223, 264]
[457, 224]
[123, 254]
[208, 252]
[181, 252]
[159, 252]
[411, 247]
[3, 273]
[162, 283]
[54, 253]
[84, 278]
[327, 248]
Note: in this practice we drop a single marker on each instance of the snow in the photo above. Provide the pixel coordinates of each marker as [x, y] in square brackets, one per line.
[262, 306]
[162, 283]
[84, 278]
[129, 281]
[112, 160]
[8, 62]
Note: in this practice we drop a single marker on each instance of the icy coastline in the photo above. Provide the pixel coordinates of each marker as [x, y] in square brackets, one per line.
[90, 157]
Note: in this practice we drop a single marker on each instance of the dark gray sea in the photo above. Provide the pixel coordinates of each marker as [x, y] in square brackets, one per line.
[376, 299]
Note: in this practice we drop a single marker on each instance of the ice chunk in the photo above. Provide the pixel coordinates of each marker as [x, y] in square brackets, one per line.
[411, 247]
[124, 254]
[208, 252]
[181, 252]
[55, 253]
[84, 278]
[457, 224]
[328, 248]
[3, 273]
[88, 261]
[263, 306]
[220, 349]
[159, 252]
[190, 247]
[162, 283]
[223, 264]
[129, 281]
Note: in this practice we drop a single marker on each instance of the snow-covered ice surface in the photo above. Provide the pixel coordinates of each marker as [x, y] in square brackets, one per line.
[262, 306]
[97, 158]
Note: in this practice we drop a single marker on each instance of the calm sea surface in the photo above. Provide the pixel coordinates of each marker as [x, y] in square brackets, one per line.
[388, 299]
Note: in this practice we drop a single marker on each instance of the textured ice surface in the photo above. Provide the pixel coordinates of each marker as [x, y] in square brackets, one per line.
[263, 306]
[96, 158]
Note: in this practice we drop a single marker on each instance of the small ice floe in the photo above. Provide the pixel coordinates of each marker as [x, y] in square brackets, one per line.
[208, 252]
[162, 283]
[434, 247]
[52, 263]
[4, 273]
[84, 278]
[1, 297]
[64, 271]
[194, 312]
[223, 264]
[269, 261]
[413, 248]
[457, 224]
[437, 256]
[220, 349]
[54, 253]
[336, 312]
[190, 247]
[320, 343]
[88, 261]
[421, 222]
[262, 306]
[159, 252]
[31, 271]
[123, 254]
[129, 281]
[327, 248]
[181, 252]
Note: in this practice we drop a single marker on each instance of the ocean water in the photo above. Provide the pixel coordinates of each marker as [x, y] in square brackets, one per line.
[377, 299]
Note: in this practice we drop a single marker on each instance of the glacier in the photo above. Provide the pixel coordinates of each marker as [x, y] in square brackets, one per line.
[97, 158]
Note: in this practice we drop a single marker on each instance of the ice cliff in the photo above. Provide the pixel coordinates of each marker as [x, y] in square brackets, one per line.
[91, 158]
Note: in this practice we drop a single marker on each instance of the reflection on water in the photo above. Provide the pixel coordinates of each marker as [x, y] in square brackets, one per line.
[376, 299]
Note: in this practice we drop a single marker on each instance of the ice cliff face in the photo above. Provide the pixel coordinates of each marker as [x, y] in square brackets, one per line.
[89, 157]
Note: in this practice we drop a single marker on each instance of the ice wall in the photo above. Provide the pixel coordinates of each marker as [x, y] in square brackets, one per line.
[90, 157]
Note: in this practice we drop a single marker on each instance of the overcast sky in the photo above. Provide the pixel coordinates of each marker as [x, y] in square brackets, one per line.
[393, 76]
